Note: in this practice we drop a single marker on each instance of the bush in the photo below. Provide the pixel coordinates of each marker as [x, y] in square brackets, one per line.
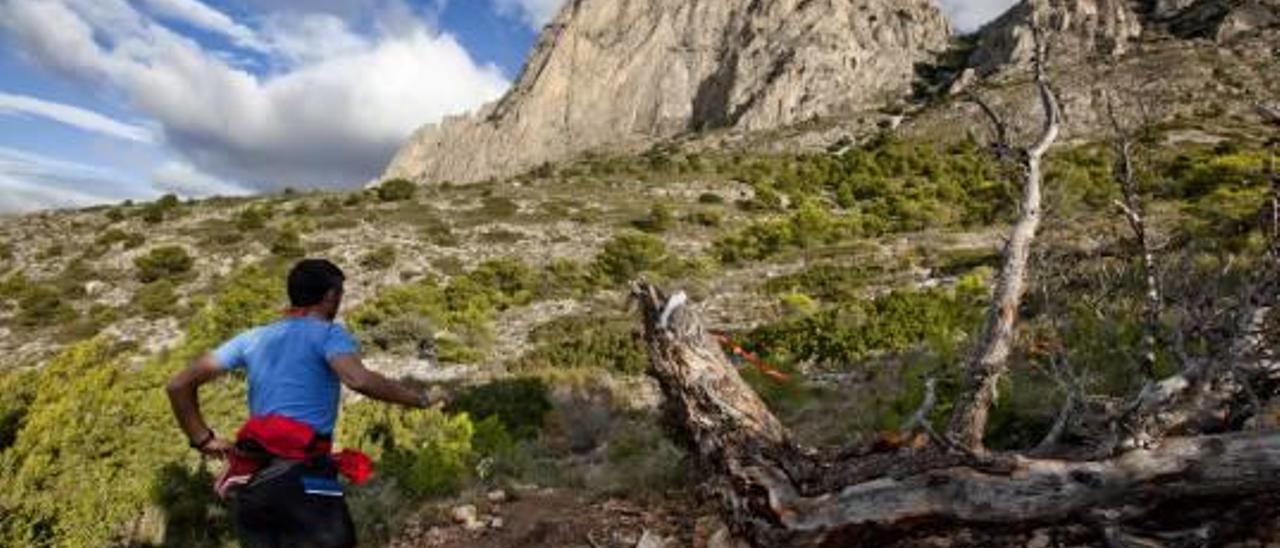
[42, 306]
[381, 258]
[163, 263]
[628, 255]
[396, 190]
[841, 337]
[427, 452]
[252, 218]
[496, 208]
[521, 405]
[156, 300]
[710, 198]
[709, 219]
[287, 244]
[657, 221]
[156, 212]
[589, 342]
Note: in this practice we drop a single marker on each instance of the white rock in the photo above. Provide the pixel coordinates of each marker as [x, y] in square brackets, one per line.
[497, 496]
[651, 540]
[609, 73]
[465, 515]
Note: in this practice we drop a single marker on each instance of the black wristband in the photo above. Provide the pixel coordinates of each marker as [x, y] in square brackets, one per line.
[208, 438]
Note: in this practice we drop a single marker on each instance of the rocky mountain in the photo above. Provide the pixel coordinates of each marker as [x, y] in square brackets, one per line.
[1079, 28]
[1108, 29]
[618, 72]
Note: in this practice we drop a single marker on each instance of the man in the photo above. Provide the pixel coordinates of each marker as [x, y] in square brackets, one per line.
[280, 472]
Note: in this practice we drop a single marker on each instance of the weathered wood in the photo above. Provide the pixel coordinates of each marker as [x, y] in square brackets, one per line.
[1132, 207]
[991, 355]
[762, 479]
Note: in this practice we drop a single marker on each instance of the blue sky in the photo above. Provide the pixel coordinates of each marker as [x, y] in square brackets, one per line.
[106, 100]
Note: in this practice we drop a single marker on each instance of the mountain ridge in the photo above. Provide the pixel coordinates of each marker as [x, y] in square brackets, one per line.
[679, 67]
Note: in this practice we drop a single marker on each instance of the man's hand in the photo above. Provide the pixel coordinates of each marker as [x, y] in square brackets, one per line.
[183, 391]
[439, 397]
[217, 448]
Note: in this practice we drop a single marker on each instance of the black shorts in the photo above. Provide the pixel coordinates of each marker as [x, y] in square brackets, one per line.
[294, 504]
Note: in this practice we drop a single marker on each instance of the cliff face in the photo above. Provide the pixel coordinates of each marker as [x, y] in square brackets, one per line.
[1078, 28]
[617, 72]
[1083, 30]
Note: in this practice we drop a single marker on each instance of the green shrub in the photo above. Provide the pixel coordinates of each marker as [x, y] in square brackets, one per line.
[521, 405]
[710, 219]
[115, 215]
[14, 286]
[589, 342]
[396, 190]
[6, 251]
[158, 211]
[42, 306]
[156, 300]
[845, 335]
[252, 218]
[464, 308]
[660, 219]
[427, 452]
[439, 233]
[402, 333]
[287, 244]
[827, 282]
[568, 278]
[710, 198]
[163, 263]
[382, 258]
[110, 238]
[497, 208]
[52, 252]
[628, 255]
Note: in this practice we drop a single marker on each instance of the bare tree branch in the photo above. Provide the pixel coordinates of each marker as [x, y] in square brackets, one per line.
[990, 359]
[1132, 208]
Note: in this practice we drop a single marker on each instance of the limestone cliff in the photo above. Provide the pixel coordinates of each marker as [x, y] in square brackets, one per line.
[1078, 29]
[1088, 30]
[618, 72]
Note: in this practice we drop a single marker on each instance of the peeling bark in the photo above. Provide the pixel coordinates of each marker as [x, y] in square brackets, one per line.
[765, 483]
[991, 356]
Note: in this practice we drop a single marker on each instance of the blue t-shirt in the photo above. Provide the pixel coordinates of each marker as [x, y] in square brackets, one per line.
[289, 373]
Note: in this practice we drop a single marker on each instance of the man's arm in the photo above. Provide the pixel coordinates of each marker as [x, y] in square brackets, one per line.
[374, 385]
[184, 397]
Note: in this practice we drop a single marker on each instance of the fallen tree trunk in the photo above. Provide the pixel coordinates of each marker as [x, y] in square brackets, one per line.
[772, 491]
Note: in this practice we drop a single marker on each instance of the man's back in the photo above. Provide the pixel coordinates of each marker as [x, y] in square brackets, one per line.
[288, 367]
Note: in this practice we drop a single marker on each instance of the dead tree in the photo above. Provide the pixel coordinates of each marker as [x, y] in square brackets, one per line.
[1131, 206]
[991, 357]
[774, 492]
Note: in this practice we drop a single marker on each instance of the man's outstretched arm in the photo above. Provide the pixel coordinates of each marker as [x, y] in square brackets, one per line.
[374, 385]
[184, 397]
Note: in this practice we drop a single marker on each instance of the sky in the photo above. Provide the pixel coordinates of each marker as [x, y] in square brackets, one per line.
[107, 100]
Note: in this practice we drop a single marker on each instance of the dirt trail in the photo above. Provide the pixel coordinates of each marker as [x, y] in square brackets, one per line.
[560, 518]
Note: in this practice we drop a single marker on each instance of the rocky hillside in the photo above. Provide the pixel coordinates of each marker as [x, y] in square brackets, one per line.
[853, 253]
[611, 72]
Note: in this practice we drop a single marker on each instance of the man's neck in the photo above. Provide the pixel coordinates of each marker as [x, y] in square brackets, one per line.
[306, 312]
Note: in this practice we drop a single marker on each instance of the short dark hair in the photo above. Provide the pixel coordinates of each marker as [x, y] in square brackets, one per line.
[311, 279]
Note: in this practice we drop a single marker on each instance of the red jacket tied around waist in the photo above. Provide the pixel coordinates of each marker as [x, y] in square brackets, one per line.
[281, 437]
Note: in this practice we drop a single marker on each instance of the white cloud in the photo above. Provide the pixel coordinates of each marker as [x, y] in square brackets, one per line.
[535, 13]
[970, 15]
[332, 114]
[186, 180]
[32, 181]
[197, 14]
[86, 120]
